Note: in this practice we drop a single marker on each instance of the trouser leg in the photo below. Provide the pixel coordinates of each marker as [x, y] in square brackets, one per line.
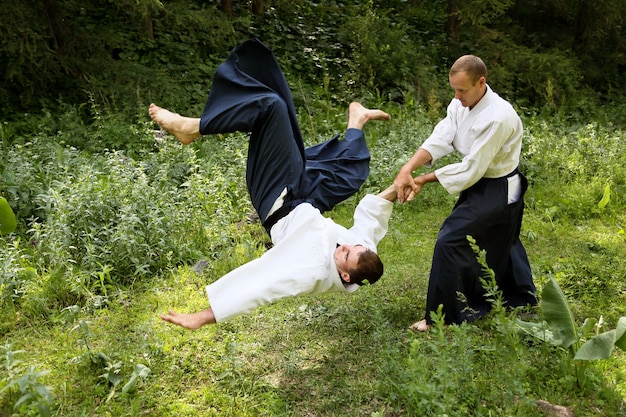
[275, 160]
[516, 282]
[454, 277]
[249, 87]
[335, 169]
[519, 288]
[483, 213]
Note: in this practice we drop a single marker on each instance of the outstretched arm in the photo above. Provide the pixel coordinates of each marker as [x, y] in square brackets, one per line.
[191, 321]
[389, 194]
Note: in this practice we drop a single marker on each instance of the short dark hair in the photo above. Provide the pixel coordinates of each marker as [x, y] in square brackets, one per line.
[369, 268]
[473, 65]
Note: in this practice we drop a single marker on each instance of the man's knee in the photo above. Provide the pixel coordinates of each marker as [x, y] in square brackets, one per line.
[272, 103]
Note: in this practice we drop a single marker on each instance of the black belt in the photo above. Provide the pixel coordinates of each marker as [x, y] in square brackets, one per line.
[514, 172]
[284, 210]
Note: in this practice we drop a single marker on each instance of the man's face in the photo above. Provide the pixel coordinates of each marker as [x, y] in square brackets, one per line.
[464, 91]
[347, 258]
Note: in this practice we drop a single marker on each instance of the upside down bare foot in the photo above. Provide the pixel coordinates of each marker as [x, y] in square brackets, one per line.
[191, 321]
[420, 326]
[358, 115]
[186, 129]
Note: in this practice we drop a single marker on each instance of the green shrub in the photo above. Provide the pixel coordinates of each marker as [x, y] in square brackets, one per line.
[134, 216]
[572, 167]
[15, 271]
[20, 389]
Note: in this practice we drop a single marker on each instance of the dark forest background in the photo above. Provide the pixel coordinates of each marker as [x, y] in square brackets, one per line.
[565, 56]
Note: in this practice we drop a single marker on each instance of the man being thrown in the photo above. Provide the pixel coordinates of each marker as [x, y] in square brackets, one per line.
[289, 187]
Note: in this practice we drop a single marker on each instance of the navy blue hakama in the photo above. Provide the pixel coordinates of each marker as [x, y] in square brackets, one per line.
[250, 94]
[483, 213]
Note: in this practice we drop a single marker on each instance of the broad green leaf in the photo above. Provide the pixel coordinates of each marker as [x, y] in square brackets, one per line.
[8, 224]
[43, 392]
[141, 371]
[113, 378]
[588, 327]
[606, 198]
[8, 386]
[23, 399]
[539, 330]
[620, 333]
[557, 313]
[44, 409]
[23, 382]
[599, 347]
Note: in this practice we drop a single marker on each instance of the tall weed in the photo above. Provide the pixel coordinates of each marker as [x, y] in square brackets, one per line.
[572, 166]
[20, 389]
[15, 271]
[136, 216]
[132, 218]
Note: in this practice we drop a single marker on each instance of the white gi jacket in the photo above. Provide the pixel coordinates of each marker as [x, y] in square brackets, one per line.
[489, 136]
[301, 261]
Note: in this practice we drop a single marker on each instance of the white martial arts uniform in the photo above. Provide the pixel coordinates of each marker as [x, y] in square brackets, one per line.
[489, 136]
[490, 209]
[301, 261]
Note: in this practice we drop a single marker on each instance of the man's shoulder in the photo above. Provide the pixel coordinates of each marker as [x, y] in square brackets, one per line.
[498, 110]
[494, 99]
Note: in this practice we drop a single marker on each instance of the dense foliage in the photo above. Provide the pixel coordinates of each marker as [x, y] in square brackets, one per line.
[114, 222]
[107, 239]
[552, 55]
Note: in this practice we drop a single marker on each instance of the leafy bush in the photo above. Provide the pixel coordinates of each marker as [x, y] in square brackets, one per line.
[137, 217]
[15, 271]
[547, 79]
[110, 219]
[20, 389]
[573, 166]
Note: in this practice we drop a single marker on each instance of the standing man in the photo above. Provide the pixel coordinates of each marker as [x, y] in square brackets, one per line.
[289, 187]
[487, 132]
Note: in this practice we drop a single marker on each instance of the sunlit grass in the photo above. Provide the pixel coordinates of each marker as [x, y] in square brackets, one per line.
[330, 355]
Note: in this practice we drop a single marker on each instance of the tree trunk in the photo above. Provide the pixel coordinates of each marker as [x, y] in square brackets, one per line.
[581, 25]
[148, 28]
[257, 7]
[227, 7]
[55, 20]
[452, 23]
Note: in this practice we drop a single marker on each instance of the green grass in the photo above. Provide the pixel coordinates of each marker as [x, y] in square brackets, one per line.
[330, 355]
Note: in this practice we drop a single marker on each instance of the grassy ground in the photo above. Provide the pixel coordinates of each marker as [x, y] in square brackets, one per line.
[331, 355]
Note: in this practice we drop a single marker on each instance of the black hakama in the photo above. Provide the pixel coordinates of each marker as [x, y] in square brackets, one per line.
[483, 213]
[250, 94]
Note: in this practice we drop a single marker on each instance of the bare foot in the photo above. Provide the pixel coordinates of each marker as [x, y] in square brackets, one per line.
[358, 115]
[186, 129]
[420, 326]
[190, 321]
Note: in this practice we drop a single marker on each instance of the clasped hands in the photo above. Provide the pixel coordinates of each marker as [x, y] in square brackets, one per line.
[406, 186]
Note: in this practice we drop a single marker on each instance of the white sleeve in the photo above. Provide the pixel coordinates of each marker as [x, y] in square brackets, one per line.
[487, 138]
[371, 219]
[440, 141]
[298, 265]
